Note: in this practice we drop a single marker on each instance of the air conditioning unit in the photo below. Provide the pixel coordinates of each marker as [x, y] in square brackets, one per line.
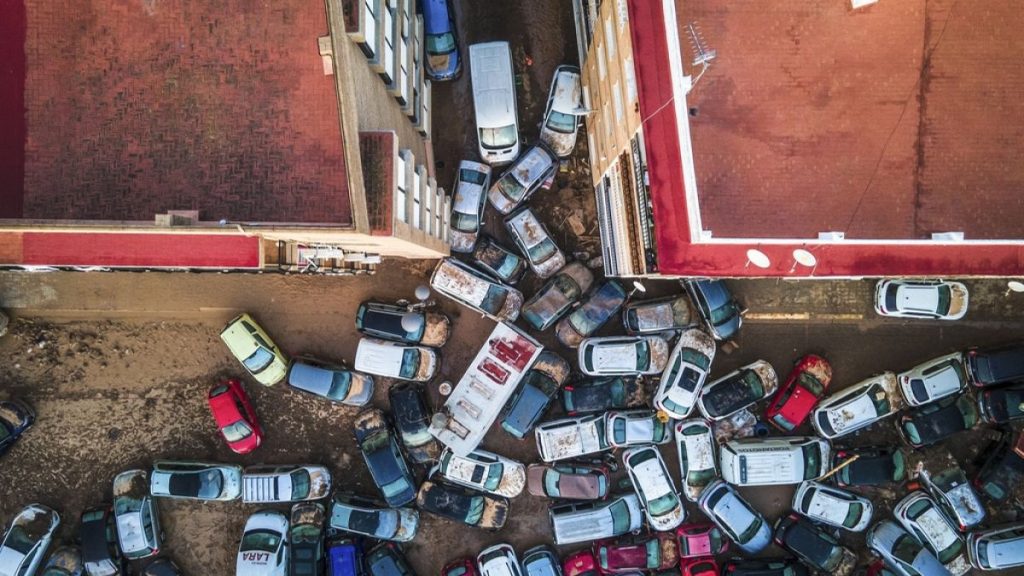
[948, 236]
[831, 236]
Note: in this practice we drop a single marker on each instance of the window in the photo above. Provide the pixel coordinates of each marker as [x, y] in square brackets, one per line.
[417, 196]
[401, 195]
[630, 73]
[609, 36]
[388, 56]
[602, 66]
[428, 204]
[369, 44]
[439, 210]
[617, 101]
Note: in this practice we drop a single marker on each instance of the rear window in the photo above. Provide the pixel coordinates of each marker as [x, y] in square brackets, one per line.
[620, 517]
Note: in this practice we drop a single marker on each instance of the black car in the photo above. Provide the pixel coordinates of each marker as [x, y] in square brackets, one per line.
[386, 559]
[811, 544]
[306, 538]
[1002, 404]
[383, 458]
[603, 394]
[872, 467]
[540, 384]
[774, 567]
[162, 567]
[413, 420]
[15, 418]
[455, 503]
[937, 421]
[717, 307]
[100, 550]
[498, 261]
[385, 321]
[994, 366]
[1004, 467]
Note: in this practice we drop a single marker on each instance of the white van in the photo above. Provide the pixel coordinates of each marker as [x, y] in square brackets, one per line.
[571, 437]
[589, 521]
[762, 462]
[394, 360]
[494, 102]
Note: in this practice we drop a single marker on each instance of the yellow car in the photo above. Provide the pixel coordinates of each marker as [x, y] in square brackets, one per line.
[255, 350]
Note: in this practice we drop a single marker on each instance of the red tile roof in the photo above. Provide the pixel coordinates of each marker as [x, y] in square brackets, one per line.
[130, 250]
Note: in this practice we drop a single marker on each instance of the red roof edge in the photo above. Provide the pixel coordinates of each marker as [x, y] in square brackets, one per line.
[135, 250]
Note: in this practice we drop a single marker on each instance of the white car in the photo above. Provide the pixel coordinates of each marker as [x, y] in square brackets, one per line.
[264, 547]
[484, 471]
[571, 437]
[940, 299]
[471, 183]
[394, 360]
[196, 480]
[534, 242]
[498, 560]
[901, 552]
[27, 537]
[998, 548]
[284, 483]
[622, 355]
[136, 515]
[857, 407]
[562, 115]
[695, 445]
[685, 373]
[636, 428]
[832, 506]
[654, 487]
[920, 516]
[773, 461]
[933, 380]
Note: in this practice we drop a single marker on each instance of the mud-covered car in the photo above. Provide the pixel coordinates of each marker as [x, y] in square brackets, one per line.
[498, 261]
[387, 559]
[369, 517]
[921, 299]
[1001, 405]
[263, 550]
[937, 421]
[235, 416]
[597, 308]
[667, 314]
[818, 549]
[737, 390]
[833, 506]
[567, 481]
[284, 483]
[196, 480]
[534, 242]
[603, 394]
[471, 183]
[571, 437]
[695, 445]
[15, 418]
[636, 428]
[539, 386]
[774, 567]
[136, 515]
[934, 379]
[921, 516]
[65, 561]
[696, 540]
[733, 515]
[1003, 469]
[623, 355]
[484, 471]
[476, 291]
[872, 466]
[656, 551]
[717, 307]
[100, 553]
[330, 382]
[954, 494]
[26, 539]
[654, 486]
[804, 387]
[394, 360]
[412, 419]
[522, 179]
[557, 296]
[901, 551]
[857, 407]
[380, 452]
[685, 372]
[306, 538]
[253, 347]
[561, 115]
[462, 505]
[384, 321]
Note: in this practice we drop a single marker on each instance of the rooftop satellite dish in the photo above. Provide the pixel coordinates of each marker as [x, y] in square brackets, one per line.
[804, 257]
[1014, 286]
[758, 258]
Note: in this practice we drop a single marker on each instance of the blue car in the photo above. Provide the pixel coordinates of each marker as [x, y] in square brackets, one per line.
[717, 307]
[539, 387]
[15, 418]
[345, 557]
[441, 40]
[380, 451]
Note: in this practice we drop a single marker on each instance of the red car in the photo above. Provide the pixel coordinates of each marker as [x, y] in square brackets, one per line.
[656, 551]
[697, 540]
[581, 563]
[699, 567]
[460, 567]
[794, 400]
[235, 417]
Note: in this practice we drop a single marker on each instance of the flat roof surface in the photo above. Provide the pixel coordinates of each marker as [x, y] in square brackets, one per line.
[137, 108]
[894, 121]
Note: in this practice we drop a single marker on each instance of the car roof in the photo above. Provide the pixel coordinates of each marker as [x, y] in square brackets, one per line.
[435, 16]
[566, 89]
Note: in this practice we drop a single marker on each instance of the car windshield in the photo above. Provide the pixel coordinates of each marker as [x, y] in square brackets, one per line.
[494, 473]
[472, 176]
[19, 540]
[880, 400]
[465, 222]
[305, 533]
[620, 517]
[476, 510]
[511, 188]
[495, 298]
[808, 381]
[541, 252]
[507, 265]
[781, 421]
[812, 461]
[944, 293]
[663, 504]
[643, 355]
[561, 122]
[498, 137]
[751, 530]
[260, 540]
[237, 431]
[853, 514]
[300, 484]
[205, 484]
[551, 481]
[395, 487]
[906, 548]
[340, 384]
[694, 357]
[440, 43]
[410, 363]
[258, 360]
[700, 477]
[723, 313]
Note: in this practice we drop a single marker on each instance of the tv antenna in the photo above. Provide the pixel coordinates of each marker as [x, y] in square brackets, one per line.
[702, 54]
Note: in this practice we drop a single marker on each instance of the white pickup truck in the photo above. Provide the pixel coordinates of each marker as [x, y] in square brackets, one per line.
[571, 437]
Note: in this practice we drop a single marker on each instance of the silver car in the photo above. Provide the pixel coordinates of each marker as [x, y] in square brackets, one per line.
[695, 445]
[137, 516]
[522, 179]
[561, 117]
[921, 516]
[832, 506]
[685, 372]
[196, 480]
[857, 407]
[557, 296]
[330, 382]
[471, 183]
[27, 537]
[731, 513]
[998, 548]
[368, 517]
[901, 552]
[484, 471]
[933, 380]
[534, 242]
[955, 495]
